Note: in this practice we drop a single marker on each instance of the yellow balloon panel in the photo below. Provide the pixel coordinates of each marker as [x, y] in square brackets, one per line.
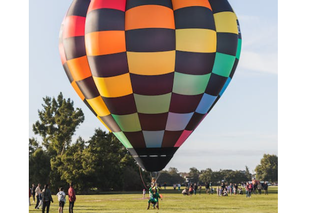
[116, 86]
[99, 106]
[151, 63]
[226, 22]
[196, 40]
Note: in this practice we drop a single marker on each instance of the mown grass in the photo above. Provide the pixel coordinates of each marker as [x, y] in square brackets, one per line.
[172, 202]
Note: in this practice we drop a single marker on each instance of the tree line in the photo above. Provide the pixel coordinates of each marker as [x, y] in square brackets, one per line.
[267, 170]
[102, 163]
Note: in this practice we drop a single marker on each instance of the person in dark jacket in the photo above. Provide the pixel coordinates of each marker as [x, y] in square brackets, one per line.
[47, 198]
[265, 187]
[195, 188]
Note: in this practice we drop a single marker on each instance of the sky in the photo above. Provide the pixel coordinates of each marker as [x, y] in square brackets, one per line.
[298, 88]
[237, 132]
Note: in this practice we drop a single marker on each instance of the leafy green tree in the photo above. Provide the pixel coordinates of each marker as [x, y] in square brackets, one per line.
[217, 177]
[165, 177]
[206, 176]
[103, 154]
[58, 122]
[248, 174]
[39, 167]
[173, 171]
[235, 176]
[176, 178]
[194, 174]
[170, 177]
[33, 145]
[71, 166]
[131, 179]
[267, 170]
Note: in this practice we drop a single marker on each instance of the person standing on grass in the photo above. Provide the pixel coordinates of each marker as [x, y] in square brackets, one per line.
[251, 188]
[61, 199]
[200, 187]
[40, 200]
[265, 188]
[46, 198]
[29, 196]
[38, 194]
[259, 187]
[72, 197]
[207, 188]
[228, 189]
[33, 192]
[254, 186]
[144, 193]
[195, 188]
[248, 189]
[235, 190]
[154, 199]
[223, 186]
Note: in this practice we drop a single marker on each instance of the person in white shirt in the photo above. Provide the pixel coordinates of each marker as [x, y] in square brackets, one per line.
[61, 199]
[38, 194]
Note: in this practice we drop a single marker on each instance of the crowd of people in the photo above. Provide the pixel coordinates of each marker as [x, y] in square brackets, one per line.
[43, 197]
[255, 186]
[225, 189]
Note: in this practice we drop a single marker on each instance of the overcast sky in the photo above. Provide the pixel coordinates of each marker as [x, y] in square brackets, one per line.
[238, 131]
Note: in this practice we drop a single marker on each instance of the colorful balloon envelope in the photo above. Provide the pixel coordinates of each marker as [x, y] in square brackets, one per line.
[150, 70]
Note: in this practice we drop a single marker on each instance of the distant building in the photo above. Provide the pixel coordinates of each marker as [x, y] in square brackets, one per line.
[185, 175]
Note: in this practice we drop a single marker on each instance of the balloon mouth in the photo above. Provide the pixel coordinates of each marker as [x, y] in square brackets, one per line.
[153, 159]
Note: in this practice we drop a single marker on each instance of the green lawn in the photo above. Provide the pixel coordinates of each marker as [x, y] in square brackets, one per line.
[172, 202]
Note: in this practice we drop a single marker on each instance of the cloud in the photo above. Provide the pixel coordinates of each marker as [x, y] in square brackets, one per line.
[259, 44]
[259, 62]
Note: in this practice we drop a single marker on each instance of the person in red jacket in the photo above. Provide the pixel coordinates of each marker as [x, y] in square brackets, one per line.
[72, 197]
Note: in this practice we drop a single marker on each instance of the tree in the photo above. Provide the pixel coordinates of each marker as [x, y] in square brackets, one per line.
[173, 171]
[58, 122]
[217, 177]
[176, 178]
[70, 166]
[248, 174]
[33, 146]
[206, 176]
[102, 162]
[104, 154]
[267, 170]
[39, 167]
[234, 176]
[194, 175]
[131, 179]
[170, 177]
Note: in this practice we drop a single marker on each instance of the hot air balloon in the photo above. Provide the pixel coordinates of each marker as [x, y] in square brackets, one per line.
[150, 70]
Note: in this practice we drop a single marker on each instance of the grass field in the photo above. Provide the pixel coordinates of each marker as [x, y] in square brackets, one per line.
[172, 202]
